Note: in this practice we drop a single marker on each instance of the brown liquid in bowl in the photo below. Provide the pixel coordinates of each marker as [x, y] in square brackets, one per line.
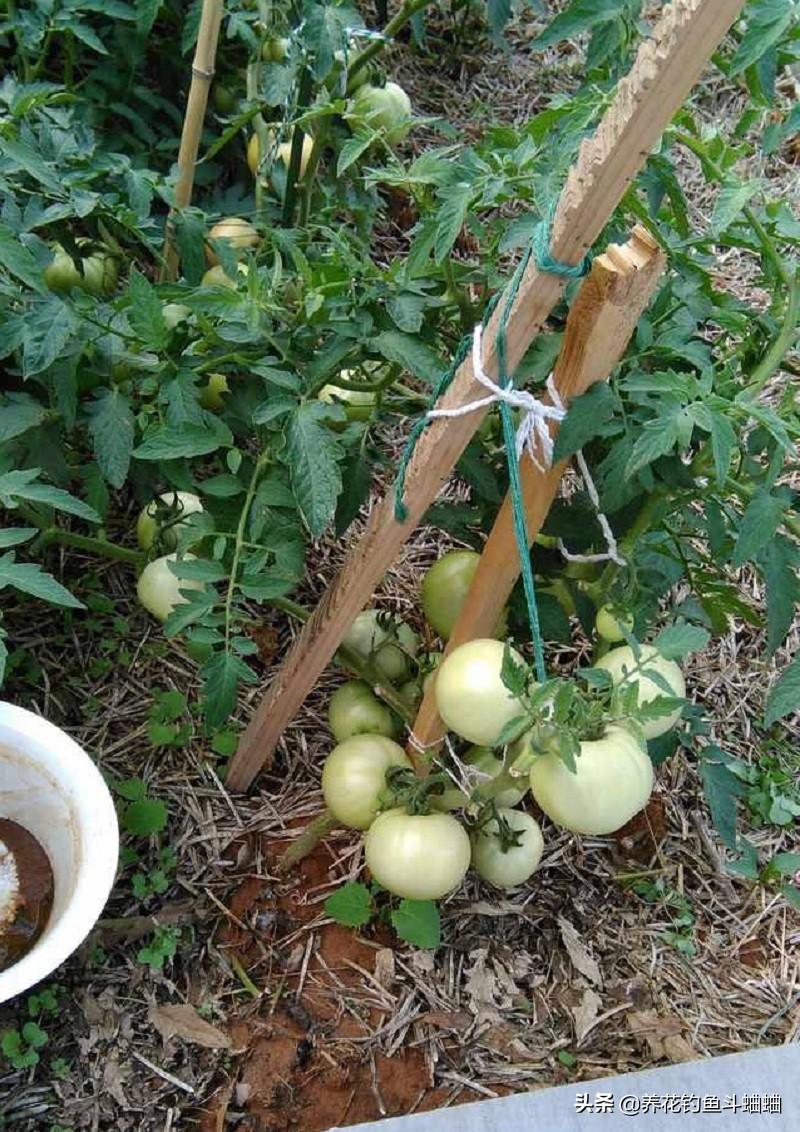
[35, 890]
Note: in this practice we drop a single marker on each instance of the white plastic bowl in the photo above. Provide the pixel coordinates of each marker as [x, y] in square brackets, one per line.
[51, 787]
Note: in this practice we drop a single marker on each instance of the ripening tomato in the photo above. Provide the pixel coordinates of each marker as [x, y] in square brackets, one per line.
[224, 99]
[417, 856]
[217, 277]
[159, 590]
[185, 502]
[283, 153]
[386, 108]
[392, 658]
[240, 234]
[354, 777]
[612, 782]
[609, 621]
[508, 866]
[622, 665]
[354, 709]
[174, 314]
[471, 697]
[444, 590]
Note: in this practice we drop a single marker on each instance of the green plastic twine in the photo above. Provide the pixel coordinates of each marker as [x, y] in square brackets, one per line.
[539, 248]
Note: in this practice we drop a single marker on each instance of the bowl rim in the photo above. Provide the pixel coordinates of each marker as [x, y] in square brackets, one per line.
[99, 841]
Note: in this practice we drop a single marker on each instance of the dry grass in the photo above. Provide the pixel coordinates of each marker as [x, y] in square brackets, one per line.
[575, 964]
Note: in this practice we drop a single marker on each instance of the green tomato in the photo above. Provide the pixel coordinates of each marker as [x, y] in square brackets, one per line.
[356, 710]
[411, 693]
[275, 49]
[622, 665]
[608, 624]
[367, 638]
[217, 277]
[354, 777]
[471, 697]
[97, 274]
[417, 856]
[386, 108]
[484, 759]
[612, 782]
[146, 525]
[159, 590]
[508, 867]
[239, 233]
[445, 588]
[224, 99]
[211, 395]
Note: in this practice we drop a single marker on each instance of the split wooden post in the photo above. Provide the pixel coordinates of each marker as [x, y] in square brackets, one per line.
[667, 66]
[202, 73]
[599, 326]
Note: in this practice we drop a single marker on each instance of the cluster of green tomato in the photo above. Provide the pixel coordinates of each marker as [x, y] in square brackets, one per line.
[424, 852]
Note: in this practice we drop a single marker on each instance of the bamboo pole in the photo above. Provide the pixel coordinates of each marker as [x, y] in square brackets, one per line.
[666, 67]
[601, 321]
[202, 74]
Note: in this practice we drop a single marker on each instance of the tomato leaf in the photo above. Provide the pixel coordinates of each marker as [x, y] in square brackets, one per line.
[760, 521]
[418, 922]
[680, 639]
[166, 443]
[111, 425]
[721, 789]
[784, 697]
[29, 578]
[584, 420]
[351, 905]
[222, 674]
[312, 455]
[768, 20]
[410, 353]
[577, 17]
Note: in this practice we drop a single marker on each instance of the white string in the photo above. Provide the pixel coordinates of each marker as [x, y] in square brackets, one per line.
[533, 430]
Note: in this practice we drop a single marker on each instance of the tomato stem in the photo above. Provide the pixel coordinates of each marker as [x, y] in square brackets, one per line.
[306, 842]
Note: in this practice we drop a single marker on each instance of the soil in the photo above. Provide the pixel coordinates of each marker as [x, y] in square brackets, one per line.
[309, 1062]
[35, 896]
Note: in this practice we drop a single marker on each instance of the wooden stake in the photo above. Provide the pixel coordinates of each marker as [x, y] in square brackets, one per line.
[666, 68]
[202, 74]
[601, 321]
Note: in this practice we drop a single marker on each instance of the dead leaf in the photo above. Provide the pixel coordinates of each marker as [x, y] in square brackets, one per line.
[585, 1013]
[662, 1033]
[384, 967]
[447, 1020]
[580, 957]
[182, 1021]
[114, 1077]
[504, 1039]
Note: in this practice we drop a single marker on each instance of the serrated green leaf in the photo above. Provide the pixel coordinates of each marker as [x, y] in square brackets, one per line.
[351, 905]
[111, 424]
[145, 312]
[222, 674]
[173, 443]
[656, 438]
[29, 578]
[26, 158]
[767, 20]
[731, 199]
[417, 922]
[353, 148]
[450, 217]
[18, 413]
[584, 420]
[721, 789]
[410, 353]
[20, 484]
[680, 639]
[784, 697]
[777, 562]
[16, 258]
[86, 34]
[197, 605]
[759, 523]
[315, 476]
[145, 817]
[579, 16]
[48, 328]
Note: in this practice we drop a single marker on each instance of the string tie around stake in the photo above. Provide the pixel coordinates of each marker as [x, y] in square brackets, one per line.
[534, 428]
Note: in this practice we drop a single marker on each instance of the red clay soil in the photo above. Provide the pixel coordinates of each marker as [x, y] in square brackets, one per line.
[306, 1064]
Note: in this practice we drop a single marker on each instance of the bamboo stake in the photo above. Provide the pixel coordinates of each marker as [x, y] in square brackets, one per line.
[601, 321]
[202, 74]
[666, 68]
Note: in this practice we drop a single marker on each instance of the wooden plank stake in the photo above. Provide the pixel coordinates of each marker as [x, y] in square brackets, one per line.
[202, 74]
[666, 68]
[601, 321]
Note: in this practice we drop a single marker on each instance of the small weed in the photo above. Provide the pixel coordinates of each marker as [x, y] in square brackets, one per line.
[680, 934]
[161, 948]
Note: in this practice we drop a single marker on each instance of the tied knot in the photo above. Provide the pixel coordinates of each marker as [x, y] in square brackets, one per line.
[533, 432]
